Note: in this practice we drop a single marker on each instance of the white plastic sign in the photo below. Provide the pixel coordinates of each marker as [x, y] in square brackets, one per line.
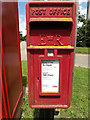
[50, 76]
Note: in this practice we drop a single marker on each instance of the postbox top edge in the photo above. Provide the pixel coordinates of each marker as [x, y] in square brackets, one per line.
[50, 2]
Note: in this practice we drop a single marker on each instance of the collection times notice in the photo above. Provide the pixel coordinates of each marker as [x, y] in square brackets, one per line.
[50, 76]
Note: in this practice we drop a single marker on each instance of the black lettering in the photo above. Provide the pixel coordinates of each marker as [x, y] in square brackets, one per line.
[36, 12]
[50, 12]
[68, 11]
[33, 11]
[64, 11]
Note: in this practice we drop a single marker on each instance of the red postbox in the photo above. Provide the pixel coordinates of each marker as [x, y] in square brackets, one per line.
[50, 51]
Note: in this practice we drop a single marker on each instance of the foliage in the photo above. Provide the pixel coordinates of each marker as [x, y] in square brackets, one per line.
[22, 38]
[25, 37]
[88, 34]
[81, 32]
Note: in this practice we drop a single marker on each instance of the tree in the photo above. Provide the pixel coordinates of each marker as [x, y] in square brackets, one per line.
[88, 34]
[81, 32]
[25, 37]
[21, 36]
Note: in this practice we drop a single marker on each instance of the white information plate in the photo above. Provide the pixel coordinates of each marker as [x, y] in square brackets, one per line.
[50, 76]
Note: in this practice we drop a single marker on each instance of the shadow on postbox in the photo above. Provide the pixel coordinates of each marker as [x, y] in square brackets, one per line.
[50, 51]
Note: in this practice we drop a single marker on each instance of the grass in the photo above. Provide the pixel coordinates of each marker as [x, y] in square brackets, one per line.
[83, 50]
[79, 101]
[27, 111]
[24, 73]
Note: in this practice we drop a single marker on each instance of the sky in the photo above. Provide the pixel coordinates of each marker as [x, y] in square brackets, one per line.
[22, 14]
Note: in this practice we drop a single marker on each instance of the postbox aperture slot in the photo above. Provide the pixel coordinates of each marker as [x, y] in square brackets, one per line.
[49, 25]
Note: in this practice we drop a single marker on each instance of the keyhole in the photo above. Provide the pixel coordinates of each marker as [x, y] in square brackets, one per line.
[37, 78]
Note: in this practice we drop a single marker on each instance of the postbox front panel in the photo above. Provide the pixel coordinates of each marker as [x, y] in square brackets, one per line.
[50, 48]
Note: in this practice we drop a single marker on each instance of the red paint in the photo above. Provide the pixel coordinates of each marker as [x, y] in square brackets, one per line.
[54, 86]
[5, 82]
[50, 11]
[12, 91]
[50, 25]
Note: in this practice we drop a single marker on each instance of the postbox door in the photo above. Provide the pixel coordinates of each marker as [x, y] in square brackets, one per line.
[49, 97]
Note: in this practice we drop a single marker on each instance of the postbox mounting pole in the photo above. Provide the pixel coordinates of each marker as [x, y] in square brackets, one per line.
[46, 114]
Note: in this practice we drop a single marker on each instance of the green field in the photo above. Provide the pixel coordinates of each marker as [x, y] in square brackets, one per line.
[79, 101]
[83, 50]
